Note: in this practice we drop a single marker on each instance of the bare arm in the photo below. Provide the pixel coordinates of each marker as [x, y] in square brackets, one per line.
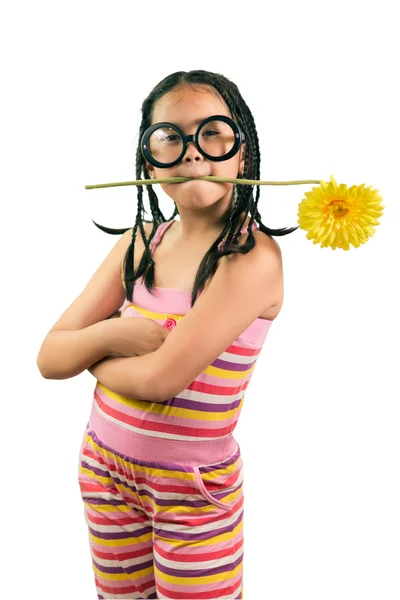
[133, 377]
[65, 354]
[78, 339]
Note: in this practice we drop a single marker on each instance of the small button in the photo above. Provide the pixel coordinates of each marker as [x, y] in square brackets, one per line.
[169, 324]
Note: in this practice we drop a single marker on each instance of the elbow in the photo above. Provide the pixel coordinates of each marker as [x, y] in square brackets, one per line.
[41, 368]
[47, 374]
[41, 364]
[154, 393]
[165, 391]
[160, 381]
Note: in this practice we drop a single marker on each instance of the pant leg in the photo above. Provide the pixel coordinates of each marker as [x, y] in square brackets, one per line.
[187, 520]
[120, 532]
[198, 542]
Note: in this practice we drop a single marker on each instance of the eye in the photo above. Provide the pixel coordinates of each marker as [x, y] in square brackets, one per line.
[168, 137]
[210, 132]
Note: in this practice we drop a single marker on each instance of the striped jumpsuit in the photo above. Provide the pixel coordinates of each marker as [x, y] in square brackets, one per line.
[162, 483]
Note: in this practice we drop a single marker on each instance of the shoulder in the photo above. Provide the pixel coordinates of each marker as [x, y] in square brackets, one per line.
[268, 247]
[266, 251]
[260, 270]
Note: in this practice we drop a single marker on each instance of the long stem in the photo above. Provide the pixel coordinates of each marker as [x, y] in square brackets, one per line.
[207, 178]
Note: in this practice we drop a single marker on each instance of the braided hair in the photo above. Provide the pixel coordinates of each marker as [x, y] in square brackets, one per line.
[244, 202]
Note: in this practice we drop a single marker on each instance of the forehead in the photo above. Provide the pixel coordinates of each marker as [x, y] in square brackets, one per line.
[187, 106]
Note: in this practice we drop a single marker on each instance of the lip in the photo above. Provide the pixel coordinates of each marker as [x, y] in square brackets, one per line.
[192, 175]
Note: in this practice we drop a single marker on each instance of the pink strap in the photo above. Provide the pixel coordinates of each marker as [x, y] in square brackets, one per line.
[243, 230]
[158, 234]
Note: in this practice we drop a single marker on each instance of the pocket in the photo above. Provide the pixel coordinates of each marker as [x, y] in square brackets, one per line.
[221, 484]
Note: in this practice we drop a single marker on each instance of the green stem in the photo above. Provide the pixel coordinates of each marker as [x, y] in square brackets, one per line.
[207, 178]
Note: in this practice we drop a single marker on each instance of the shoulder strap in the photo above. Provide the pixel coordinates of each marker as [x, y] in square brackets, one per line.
[243, 230]
[158, 234]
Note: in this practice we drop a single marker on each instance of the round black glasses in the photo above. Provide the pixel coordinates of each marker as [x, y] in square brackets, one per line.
[217, 138]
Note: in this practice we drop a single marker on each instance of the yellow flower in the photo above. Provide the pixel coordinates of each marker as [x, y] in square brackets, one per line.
[336, 216]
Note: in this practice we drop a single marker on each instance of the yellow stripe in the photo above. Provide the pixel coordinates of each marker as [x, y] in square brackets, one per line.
[172, 411]
[226, 374]
[224, 538]
[228, 470]
[153, 315]
[189, 510]
[219, 577]
[218, 372]
[148, 500]
[97, 478]
[107, 508]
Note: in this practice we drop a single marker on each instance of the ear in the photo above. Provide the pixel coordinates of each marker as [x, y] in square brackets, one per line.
[150, 169]
[241, 158]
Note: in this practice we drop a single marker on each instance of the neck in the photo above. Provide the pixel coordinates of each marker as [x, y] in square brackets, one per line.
[197, 228]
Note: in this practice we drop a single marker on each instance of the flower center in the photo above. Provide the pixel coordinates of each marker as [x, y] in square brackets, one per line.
[339, 208]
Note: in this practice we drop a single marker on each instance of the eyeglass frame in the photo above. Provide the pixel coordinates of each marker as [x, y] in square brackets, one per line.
[239, 139]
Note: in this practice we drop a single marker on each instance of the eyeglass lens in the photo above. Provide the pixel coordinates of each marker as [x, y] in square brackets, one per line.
[216, 138]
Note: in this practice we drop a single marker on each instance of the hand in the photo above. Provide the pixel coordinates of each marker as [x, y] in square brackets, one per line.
[134, 336]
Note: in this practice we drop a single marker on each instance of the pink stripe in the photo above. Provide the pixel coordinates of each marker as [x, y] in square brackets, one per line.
[163, 418]
[164, 427]
[148, 448]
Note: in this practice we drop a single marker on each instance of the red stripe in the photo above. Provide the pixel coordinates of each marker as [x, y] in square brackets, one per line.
[114, 521]
[124, 590]
[137, 480]
[121, 555]
[162, 427]
[212, 389]
[241, 351]
[199, 556]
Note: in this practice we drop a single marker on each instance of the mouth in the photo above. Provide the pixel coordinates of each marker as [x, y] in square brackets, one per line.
[192, 176]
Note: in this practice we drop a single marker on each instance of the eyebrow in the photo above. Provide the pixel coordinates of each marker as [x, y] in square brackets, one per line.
[195, 122]
[198, 121]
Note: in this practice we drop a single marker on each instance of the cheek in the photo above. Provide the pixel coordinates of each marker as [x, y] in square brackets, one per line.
[227, 168]
[163, 173]
[168, 188]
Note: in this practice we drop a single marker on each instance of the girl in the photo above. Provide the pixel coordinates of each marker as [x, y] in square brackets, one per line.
[161, 474]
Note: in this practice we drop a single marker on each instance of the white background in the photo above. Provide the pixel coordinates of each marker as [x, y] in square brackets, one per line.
[319, 431]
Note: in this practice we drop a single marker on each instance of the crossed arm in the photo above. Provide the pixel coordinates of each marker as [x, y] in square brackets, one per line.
[134, 377]
[240, 290]
[130, 379]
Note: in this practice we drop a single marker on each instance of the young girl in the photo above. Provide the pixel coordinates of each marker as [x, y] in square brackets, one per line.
[161, 474]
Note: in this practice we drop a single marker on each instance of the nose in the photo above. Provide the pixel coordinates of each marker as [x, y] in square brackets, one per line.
[192, 152]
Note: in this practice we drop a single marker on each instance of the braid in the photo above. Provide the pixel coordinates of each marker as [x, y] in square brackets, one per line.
[243, 200]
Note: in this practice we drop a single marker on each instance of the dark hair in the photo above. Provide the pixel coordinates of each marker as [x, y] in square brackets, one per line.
[243, 194]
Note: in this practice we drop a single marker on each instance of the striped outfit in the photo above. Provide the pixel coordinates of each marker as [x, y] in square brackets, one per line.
[162, 483]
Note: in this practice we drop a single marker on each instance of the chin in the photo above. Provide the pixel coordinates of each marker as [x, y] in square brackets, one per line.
[199, 194]
[197, 186]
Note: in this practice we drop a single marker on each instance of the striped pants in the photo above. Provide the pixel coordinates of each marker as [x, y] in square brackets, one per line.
[163, 528]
